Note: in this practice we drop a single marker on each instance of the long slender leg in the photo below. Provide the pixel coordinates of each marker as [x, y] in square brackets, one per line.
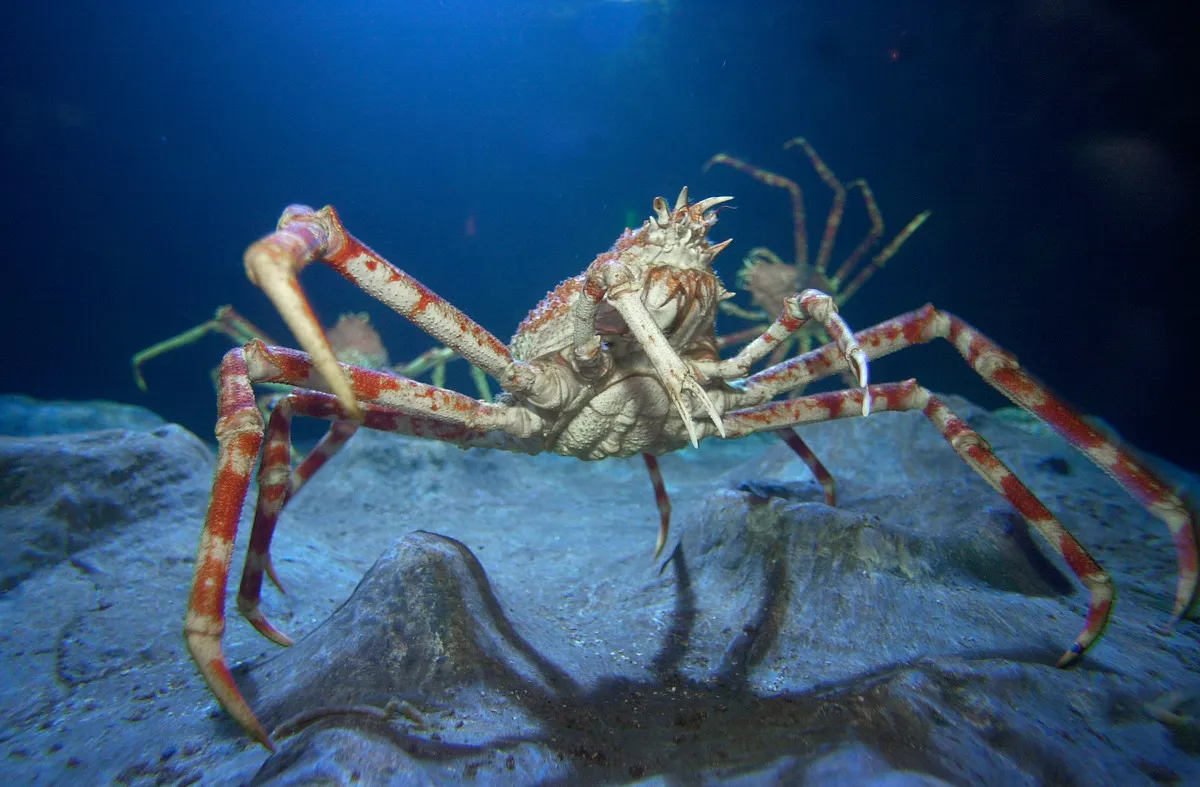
[882, 257]
[388, 403]
[834, 219]
[305, 236]
[781, 350]
[740, 337]
[278, 483]
[225, 321]
[435, 361]
[872, 237]
[800, 231]
[239, 438]
[662, 500]
[1000, 370]
[819, 471]
[799, 310]
[480, 419]
[973, 450]
[733, 310]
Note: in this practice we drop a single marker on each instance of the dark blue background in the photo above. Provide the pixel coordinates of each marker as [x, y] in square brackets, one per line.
[145, 145]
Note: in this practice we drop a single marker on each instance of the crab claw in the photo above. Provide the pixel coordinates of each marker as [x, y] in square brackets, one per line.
[675, 375]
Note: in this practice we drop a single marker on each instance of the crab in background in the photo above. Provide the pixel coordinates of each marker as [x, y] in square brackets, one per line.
[769, 279]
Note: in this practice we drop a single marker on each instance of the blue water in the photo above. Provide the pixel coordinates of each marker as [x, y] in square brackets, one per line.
[492, 148]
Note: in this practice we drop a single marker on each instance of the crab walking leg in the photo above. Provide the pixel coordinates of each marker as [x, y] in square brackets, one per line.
[226, 320]
[436, 359]
[781, 351]
[431, 412]
[239, 438]
[277, 485]
[872, 237]
[800, 230]
[819, 471]
[1001, 370]
[882, 257]
[305, 236]
[973, 450]
[734, 310]
[741, 337]
[329, 444]
[273, 472]
[392, 393]
[834, 220]
[798, 311]
[662, 500]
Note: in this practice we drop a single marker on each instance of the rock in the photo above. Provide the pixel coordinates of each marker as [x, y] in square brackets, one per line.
[23, 416]
[59, 495]
[509, 627]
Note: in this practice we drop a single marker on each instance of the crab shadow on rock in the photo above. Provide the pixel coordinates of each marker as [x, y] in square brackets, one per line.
[422, 676]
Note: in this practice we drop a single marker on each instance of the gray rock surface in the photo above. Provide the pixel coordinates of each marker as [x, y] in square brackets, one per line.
[515, 629]
[24, 416]
[60, 495]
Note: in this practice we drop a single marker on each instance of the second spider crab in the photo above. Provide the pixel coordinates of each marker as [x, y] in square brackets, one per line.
[617, 361]
[769, 279]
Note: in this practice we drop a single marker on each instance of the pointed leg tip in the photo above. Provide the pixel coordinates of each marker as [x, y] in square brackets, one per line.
[1073, 654]
[273, 575]
[261, 737]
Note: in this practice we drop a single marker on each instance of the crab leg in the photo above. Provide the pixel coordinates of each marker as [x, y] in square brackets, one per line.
[305, 236]
[800, 235]
[872, 237]
[277, 485]
[1000, 370]
[834, 220]
[973, 450]
[819, 471]
[226, 320]
[391, 403]
[662, 500]
[798, 311]
[435, 359]
[239, 438]
[879, 260]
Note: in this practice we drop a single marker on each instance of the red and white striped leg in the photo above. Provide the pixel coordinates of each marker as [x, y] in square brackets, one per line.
[799, 310]
[277, 485]
[239, 438]
[1001, 370]
[431, 413]
[823, 476]
[662, 500]
[305, 236]
[975, 451]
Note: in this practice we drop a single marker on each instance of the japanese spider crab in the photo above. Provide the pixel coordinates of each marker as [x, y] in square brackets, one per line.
[768, 279]
[617, 361]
